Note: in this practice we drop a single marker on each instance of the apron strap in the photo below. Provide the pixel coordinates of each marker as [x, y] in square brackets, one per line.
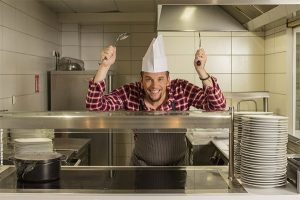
[173, 106]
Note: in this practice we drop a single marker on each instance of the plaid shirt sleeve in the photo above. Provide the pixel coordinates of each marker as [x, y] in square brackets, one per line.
[96, 100]
[208, 98]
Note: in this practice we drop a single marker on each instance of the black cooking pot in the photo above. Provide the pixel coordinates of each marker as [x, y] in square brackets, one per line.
[38, 167]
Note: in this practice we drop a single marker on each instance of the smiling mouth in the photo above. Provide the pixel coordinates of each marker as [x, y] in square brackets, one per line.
[154, 91]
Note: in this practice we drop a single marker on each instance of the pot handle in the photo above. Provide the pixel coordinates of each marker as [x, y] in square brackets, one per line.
[11, 158]
[63, 159]
[28, 168]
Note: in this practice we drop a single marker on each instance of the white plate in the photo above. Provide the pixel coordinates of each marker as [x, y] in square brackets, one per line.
[265, 163]
[264, 134]
[262, 174]
[32, 140]
[253, 149]
[263, 142]
[261, 182]
[267, 117]
[252, 113]
[265, 131]
[258, 125]
[264, 179]
[263, 127]
[276, 172]
[262, 147]
[264, 185]
[259, 157]
[259, 119]
[278, 168]
[263, 154]
[256, 164]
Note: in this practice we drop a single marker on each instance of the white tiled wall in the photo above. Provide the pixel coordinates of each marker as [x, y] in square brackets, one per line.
[28, 34]
[235, 58]
[276, 69]
[86, 42]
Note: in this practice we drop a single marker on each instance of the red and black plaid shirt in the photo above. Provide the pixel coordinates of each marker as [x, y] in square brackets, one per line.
[131, 97]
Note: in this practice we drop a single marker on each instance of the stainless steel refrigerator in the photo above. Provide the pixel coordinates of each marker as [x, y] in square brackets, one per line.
[67, 91]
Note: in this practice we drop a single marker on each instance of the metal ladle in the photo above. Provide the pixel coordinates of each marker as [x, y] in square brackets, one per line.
[122, 36]
[199, 62]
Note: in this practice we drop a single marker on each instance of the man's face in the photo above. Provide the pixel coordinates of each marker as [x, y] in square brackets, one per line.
[155, 85]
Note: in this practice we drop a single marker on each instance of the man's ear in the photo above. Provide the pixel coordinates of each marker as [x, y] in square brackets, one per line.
[169, 80]
[141, 81]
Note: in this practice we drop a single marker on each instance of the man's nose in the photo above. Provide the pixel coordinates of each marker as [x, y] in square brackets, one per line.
[154, 83]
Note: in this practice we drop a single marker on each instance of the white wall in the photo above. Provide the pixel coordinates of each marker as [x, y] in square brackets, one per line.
[28, 34]
[236, 59]
[86, 42]
[276, 62]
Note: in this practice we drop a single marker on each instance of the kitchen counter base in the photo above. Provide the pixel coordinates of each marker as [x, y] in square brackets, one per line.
[185, 180]
[253, 193]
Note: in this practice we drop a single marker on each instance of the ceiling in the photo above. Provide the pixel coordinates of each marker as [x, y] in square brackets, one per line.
[242, 13]
[100, 6]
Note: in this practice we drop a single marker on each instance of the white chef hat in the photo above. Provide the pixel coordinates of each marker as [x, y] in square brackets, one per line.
[155, 59]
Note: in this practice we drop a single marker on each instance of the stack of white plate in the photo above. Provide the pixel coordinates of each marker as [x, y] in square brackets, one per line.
[32, 145]
[31, 133]
[238, 136]
[263, 150]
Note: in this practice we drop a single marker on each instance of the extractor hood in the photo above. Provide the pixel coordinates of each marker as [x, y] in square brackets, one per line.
[195, 18]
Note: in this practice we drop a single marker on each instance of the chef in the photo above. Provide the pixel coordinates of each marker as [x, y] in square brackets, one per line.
[156, 92]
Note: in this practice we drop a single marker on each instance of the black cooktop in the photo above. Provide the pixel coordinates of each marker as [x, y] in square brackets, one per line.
[122, 180]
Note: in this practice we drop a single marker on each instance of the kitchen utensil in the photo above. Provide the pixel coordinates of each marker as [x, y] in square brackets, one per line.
[38, 167]
[120, 37]
[70, 64]
[199, 62]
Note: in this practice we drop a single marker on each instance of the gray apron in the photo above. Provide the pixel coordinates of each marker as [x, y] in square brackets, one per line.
[157, 147]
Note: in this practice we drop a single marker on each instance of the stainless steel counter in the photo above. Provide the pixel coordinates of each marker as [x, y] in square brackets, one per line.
[115, 120]
[123, 120]
[186, 180]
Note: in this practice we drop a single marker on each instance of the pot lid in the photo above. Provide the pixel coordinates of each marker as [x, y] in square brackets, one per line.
[44, 156]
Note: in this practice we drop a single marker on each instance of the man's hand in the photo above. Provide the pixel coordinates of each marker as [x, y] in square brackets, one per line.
[203, 75]
[200, 56]
[108, 56]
